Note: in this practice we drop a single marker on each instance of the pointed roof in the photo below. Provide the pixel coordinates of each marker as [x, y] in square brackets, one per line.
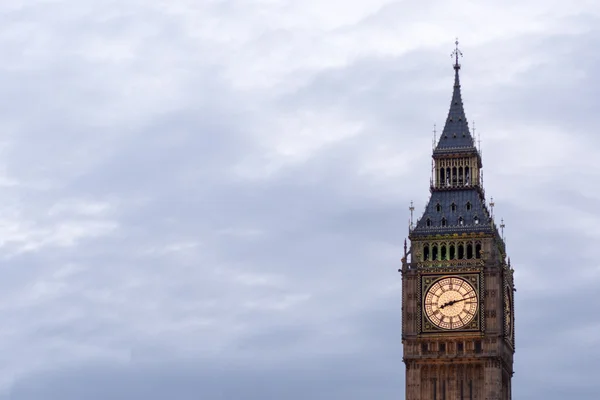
[456, 135]
[454, 212]
[455, 209]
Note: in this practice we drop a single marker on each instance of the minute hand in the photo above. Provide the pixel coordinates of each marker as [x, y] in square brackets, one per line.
[451, 302]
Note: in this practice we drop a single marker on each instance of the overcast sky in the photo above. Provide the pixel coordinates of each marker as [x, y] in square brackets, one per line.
[208, 199]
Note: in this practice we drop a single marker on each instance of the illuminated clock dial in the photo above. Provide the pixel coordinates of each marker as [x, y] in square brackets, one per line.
[507, 312]
[451, 303]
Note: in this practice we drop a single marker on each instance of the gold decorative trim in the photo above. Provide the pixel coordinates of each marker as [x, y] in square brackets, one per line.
[427, 279]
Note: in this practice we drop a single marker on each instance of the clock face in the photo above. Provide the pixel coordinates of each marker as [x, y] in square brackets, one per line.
[451, 303]
[507, 312]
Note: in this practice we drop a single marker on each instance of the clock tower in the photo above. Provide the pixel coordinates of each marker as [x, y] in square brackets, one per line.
[457, 284]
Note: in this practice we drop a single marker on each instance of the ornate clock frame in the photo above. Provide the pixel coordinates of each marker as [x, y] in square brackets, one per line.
[475, 278]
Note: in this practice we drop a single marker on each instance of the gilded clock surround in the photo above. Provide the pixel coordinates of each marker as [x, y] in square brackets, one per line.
[509, 320]
[457, 314]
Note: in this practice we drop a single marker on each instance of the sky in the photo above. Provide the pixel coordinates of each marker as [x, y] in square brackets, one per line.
[208, 199]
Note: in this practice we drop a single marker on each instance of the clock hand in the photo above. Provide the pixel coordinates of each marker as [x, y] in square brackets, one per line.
[451, 302]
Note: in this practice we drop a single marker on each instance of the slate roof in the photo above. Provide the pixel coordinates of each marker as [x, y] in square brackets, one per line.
[476, 218]
[459, 198]
[456, 136]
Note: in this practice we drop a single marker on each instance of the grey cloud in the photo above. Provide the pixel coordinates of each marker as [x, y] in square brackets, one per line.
[210, 380]
[270, 275]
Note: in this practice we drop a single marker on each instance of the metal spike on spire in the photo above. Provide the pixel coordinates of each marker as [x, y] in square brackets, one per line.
[455, 54]
[502, 226]
[412, 209]
[431, 179]
[478, 139]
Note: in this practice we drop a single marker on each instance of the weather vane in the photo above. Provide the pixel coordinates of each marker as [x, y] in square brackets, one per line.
[492, 204]
[411, 208]
[455, 54]
[502, 227]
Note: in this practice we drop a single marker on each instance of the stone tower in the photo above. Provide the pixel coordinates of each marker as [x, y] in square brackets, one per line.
[457, 285]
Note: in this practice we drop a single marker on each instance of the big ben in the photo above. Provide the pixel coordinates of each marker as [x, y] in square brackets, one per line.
[457, 282]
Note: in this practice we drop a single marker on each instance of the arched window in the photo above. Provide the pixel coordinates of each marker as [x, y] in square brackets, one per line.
[478, 250]
[454, 176]
[425, 253]
[460, 175]
[461, 252]
[467, 176]
[453, 207]
[448, 176]
[452, 252]
[444, 255]
[476, 220]
[443, 221]
[434, 253]
[468, 205]
[442, 177]
[438, 207]
[461, 221]
[469, 250]
[428, 222]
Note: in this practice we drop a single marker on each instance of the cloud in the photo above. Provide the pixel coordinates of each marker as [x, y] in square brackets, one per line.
[211, 198]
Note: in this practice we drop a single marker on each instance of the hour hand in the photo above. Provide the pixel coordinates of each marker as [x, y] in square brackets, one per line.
[449, 303]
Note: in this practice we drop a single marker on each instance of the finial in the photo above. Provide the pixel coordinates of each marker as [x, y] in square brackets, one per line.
[405, 254]
[434, 135]
[502, 227]
[478, 138]
[492, 204]
[431, 179]
[411, 208]
[455, 54]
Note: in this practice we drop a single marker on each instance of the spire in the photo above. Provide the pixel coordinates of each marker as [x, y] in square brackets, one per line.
[456, 130]
[457, 203]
